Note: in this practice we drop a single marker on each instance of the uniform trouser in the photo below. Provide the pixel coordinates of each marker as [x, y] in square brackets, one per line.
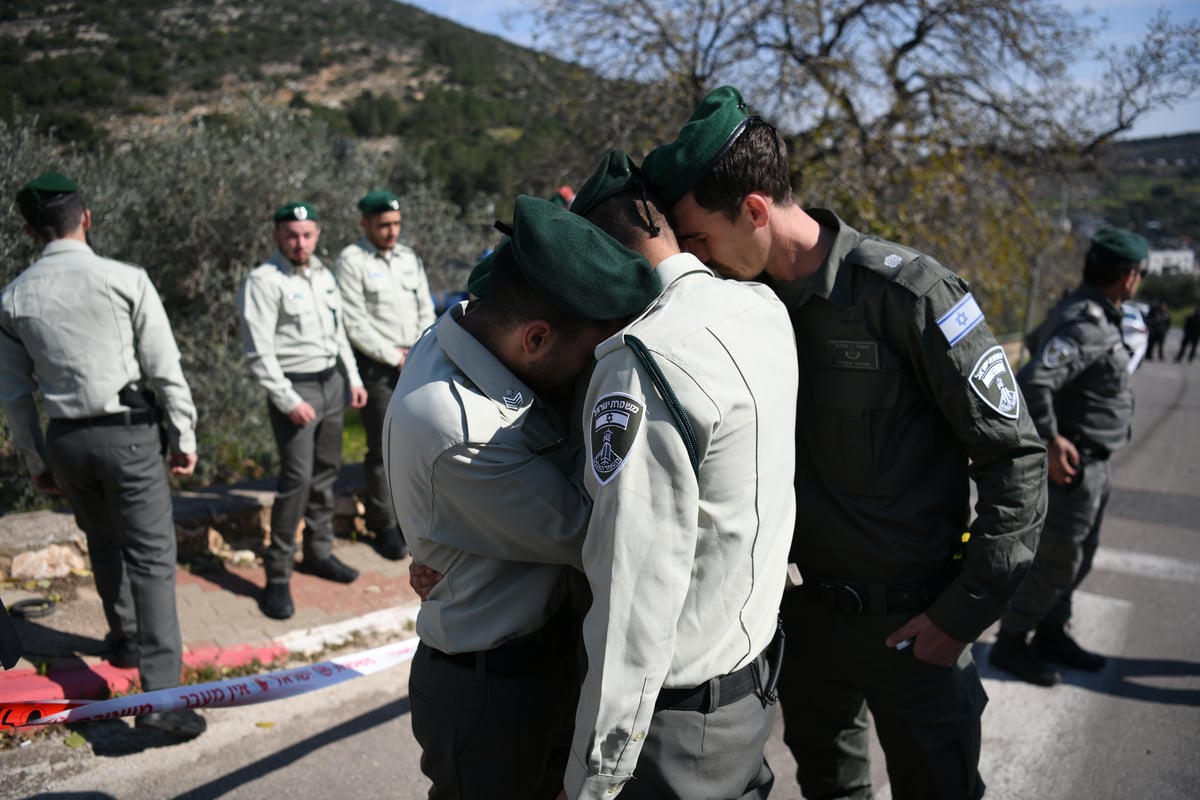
[1154, 344]
[928, 718]
[1188, 342]
[1065, 552]
[380, 381]
[309, 458]
[484, 735]
[706, 755]
[116, 482]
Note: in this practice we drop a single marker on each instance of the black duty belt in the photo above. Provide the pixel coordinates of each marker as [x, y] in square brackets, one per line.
[1092, 455]
[521, 655]
[136, 416]
[310, 377]
[852, 599]
[730, 689]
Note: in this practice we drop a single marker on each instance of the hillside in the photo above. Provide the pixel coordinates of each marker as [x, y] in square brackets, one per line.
[96, 73]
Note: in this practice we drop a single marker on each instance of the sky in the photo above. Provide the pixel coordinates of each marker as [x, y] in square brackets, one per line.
[1124, 21]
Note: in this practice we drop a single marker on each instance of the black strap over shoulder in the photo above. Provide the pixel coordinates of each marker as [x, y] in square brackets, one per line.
[682, 421]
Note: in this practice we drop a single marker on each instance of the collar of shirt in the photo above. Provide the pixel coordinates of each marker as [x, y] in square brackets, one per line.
[1096, 295]
[65, 246]
[672, 268]
[483, 369]
[285, 266]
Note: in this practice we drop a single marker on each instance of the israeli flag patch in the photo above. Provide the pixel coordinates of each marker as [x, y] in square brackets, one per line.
[960, 320]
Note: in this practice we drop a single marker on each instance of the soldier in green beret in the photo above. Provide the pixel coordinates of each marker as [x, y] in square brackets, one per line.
[91, 334]
[1078, 389]
[904, 395]
[386, 305]
[690, 415]
[296, 347]
[483, 466]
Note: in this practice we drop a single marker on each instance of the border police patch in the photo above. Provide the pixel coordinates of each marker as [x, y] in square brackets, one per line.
[992, 379]
[1058, 352]
[615, 422]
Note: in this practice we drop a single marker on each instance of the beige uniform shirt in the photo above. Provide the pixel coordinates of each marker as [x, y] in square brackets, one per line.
[385, 298]
[486, 486]
[686, 571]
[292, 322]
[80, 328]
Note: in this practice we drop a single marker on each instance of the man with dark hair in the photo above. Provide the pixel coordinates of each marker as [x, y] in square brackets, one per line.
[904, 397]
[91, 334]
[690, 414]
[1079, 392]
[483, 463]
[386, 305]
[296, 347]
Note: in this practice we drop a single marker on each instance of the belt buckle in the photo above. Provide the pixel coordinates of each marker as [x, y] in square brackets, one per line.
[843, 599]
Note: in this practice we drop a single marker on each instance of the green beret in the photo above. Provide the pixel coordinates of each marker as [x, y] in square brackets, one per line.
[578, 266]
[671, 170]
[45, 187]
[481, 276]
[616, 173]
[1121, 243]
[377, 202]
[295, 211]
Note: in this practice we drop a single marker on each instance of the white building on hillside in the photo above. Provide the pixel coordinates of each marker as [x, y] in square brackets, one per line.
[1171, 262]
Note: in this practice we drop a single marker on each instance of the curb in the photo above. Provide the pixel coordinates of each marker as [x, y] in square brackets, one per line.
[100, 680]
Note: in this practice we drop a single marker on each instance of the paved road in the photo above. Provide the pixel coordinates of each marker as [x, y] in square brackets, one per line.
[1130, 731]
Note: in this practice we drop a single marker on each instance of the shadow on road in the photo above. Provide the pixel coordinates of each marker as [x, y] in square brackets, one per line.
[1121, 677]
[281, 760]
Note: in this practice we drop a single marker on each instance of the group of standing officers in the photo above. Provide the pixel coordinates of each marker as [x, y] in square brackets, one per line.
[91, 334]
[610, 463]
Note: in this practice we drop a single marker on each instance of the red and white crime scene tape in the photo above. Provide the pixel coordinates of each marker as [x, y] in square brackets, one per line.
[233, 692]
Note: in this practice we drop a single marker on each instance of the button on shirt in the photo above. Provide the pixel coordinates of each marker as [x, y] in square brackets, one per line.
[486, 486]
[291, 322]
[385, 299]
[1078, 382]
[80, 328]
[686, 572]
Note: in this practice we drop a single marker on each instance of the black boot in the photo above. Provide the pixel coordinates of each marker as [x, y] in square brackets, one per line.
[1052, 643]
[277, 601]
[331, 569]
[1013, 655]
[390, 544]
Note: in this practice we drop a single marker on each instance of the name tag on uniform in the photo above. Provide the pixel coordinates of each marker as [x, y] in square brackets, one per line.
[376, 274]
[960, 320]
[849, 354]
[296, 296]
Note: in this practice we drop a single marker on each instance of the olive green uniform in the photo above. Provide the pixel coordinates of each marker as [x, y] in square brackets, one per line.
[904, 396]
[91, 334]
[686, 559]
[486, 483]
[296, 347]
[386, 304]
[1077, 385]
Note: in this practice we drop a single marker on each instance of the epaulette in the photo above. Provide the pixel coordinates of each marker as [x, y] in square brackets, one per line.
[899, 264]
[1083, 311]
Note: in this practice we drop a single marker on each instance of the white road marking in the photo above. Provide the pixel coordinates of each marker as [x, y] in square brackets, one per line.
[1144, 565]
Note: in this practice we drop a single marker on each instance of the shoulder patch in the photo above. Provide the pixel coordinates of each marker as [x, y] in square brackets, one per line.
[960, 320]
[1058, 352]
[896, 263]
[616, 419]
[992, 379]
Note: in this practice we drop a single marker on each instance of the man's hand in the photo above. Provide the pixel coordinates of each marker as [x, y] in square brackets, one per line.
[929, 642]
[422, 579]
[358, 396]
[302, 414]
[183, 463]
[403, 351]
[44, 483]
[1062, 458]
